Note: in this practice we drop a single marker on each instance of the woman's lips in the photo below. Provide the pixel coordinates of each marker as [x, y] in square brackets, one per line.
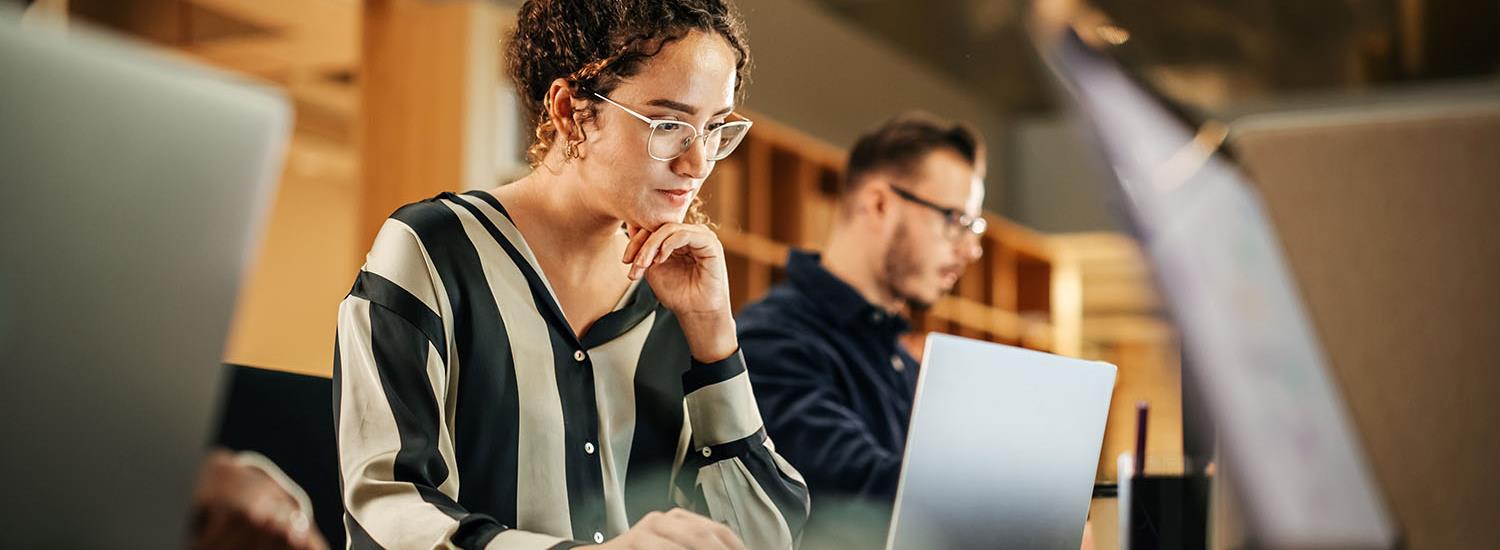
[676, 196]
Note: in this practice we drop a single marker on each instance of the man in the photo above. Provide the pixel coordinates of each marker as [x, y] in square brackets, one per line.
[835, 386]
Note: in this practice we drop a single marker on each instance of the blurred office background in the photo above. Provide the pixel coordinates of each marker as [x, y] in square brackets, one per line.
[397, 100]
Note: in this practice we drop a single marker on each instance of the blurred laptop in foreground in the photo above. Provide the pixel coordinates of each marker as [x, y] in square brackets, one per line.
[134, 188]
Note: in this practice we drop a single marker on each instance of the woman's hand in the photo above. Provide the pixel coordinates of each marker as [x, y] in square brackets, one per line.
[684, 264]
[676, 529]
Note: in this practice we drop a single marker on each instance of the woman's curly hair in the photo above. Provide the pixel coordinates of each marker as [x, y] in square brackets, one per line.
[596, 44]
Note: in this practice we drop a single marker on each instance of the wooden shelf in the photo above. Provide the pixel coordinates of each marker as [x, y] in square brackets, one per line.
[1123, 324]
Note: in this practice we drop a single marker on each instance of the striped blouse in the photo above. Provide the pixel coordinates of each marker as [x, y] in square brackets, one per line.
[469, 415]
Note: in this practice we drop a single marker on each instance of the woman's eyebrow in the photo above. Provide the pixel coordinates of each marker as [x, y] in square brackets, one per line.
[683, 107]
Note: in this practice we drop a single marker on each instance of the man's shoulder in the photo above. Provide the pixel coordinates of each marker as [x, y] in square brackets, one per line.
[783, 310]
[785, 332]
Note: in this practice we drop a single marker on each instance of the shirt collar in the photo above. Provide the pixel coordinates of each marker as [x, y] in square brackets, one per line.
[805, 271]
[639, 302]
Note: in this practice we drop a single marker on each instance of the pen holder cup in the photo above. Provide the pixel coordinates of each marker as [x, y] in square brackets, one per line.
[1163, 512]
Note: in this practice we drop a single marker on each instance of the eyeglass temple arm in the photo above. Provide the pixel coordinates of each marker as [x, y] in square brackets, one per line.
[642, 117]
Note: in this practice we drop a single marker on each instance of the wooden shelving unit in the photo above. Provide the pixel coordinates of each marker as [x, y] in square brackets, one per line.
[777, 191]
[1124, 323]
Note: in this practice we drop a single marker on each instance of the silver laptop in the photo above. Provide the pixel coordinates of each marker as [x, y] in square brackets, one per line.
[1003, 448]
[131, 189]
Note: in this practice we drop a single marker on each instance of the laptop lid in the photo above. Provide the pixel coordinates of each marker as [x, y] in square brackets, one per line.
[1284, 432]
[1002, 450]
[133, 187]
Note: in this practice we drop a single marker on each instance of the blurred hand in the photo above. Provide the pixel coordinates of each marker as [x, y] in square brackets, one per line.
[239, 506]
[676, 529]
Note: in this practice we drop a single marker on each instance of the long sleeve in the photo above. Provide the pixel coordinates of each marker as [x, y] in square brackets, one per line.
[829, 442]
[391, 391]
[732, 472]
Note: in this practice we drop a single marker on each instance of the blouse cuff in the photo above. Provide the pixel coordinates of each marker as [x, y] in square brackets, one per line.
[721, 406]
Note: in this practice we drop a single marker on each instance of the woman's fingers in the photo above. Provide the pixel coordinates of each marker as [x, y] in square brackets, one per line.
[692, 530]
[648, 248]
[638, 237]
[642, 247]
[651, 532]
[727, 537]
[651, 248]
[676, 241]
[687, 239]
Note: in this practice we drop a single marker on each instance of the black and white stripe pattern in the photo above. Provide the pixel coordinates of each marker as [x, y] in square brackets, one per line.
[470, 416]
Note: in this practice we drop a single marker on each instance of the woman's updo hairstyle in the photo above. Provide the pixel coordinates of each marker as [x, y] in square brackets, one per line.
[596, 44]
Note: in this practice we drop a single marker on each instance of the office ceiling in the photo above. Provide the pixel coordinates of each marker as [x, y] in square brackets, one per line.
[1206, 52]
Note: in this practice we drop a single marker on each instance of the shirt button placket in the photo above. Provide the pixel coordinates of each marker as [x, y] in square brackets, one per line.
[588, 446]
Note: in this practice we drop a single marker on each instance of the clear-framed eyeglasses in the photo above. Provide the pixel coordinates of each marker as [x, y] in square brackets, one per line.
[671, 138]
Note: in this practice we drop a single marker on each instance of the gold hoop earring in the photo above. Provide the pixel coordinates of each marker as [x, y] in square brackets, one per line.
[570, 150]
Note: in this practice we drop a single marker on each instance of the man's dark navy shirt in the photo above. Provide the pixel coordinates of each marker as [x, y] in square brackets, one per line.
[835, 386]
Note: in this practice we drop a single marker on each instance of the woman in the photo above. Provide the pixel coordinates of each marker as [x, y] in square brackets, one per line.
[554, 362]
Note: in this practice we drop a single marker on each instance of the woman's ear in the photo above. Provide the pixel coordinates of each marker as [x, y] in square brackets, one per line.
[560, 108]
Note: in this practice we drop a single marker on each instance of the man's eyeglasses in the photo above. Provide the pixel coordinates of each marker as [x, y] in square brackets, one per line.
[671, 138]
[954, 219]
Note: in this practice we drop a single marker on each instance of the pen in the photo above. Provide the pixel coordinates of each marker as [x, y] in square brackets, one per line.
[1142, 410]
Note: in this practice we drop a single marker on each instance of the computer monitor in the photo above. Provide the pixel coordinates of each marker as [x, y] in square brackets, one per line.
[1282, 425]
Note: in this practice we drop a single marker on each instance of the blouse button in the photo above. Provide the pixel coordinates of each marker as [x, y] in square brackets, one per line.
[579, 356]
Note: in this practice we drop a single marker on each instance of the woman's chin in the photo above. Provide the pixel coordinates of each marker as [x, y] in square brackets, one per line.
[657, 218]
